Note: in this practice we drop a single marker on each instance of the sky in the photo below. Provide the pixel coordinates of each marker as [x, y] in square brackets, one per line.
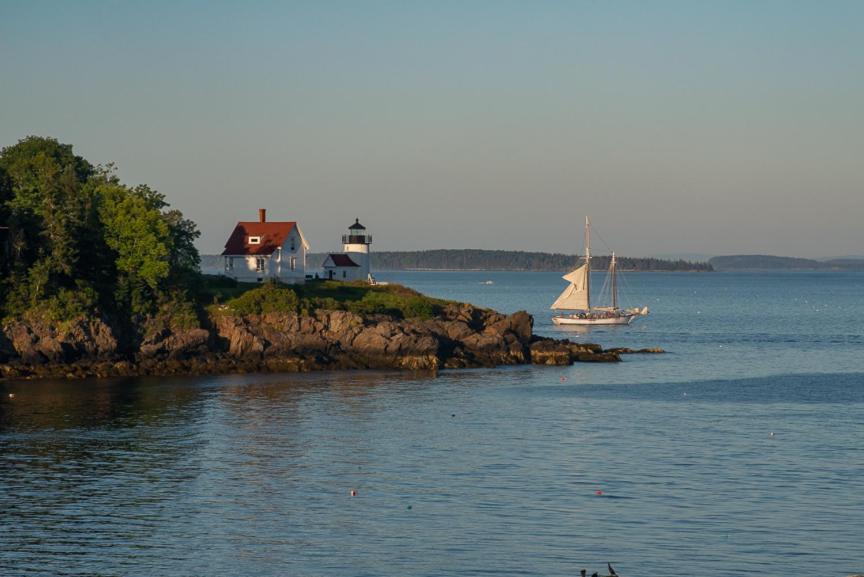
[680, 127]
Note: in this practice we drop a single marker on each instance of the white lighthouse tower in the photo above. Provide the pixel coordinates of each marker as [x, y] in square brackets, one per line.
[356, 244]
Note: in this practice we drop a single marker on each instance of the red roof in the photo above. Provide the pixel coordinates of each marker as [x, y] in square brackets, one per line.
[273, 235]
[342, 260]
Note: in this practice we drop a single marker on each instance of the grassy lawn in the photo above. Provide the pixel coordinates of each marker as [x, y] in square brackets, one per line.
[220, 289]
[356, 296]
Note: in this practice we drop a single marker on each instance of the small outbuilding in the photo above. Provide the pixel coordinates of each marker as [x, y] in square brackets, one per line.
[339, 266]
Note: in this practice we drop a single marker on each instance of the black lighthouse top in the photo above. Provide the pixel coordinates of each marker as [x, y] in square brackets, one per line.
[356, 234]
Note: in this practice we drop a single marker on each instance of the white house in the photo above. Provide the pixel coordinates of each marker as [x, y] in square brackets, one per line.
[353, 262]
[258, 251]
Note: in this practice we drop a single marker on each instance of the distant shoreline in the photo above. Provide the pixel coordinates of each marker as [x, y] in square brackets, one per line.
[478, 260]
[770, 263]
[517, 270]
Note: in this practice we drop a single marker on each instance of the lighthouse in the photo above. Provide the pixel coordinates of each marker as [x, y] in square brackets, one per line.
[356, 244]
[352, 263]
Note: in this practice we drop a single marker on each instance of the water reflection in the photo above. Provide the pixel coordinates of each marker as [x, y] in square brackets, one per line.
[472, 472]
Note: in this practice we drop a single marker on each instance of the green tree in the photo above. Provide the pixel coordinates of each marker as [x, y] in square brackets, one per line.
[138, 234]
[184, 257]
[82, 240]
[44, 210]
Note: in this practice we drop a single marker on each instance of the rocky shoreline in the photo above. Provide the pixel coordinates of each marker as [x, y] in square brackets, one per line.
[462, 336]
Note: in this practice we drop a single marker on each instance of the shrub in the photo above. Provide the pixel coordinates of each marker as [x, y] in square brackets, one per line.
[311, 304]
[270, 298]
[180, 313]
[419, 307]
[67, 305]
[377, 303]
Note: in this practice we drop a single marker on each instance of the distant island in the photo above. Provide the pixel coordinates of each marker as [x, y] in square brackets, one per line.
[489, 260]
[762, 262]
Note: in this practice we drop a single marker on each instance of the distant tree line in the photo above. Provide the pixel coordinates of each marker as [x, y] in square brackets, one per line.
[768, 262]
[476, 259]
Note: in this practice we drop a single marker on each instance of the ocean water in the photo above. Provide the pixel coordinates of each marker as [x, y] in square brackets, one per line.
[740, 451]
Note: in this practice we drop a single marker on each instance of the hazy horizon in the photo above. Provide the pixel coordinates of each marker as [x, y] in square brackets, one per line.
[679, 127]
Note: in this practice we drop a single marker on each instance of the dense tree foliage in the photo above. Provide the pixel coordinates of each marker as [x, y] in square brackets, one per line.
[81, 241]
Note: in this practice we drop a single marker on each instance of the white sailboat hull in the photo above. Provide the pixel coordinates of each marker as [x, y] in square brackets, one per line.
[574, 320]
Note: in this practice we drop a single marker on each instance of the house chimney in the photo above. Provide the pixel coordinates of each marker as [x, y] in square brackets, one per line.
[262, 215]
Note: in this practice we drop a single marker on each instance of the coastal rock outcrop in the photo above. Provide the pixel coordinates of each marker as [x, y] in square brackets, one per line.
[39, 342]
[459, 336]
[175, 345]
[464, 336]
[546, 351]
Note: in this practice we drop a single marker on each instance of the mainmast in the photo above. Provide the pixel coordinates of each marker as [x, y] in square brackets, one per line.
[588, 262]
[613, 270]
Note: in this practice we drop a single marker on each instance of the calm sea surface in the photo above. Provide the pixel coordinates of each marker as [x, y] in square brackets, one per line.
[476, 472]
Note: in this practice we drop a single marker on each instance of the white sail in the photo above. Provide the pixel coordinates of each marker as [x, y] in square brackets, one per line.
[575, 296]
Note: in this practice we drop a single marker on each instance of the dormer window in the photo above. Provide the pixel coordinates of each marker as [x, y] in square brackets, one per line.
[254, 240]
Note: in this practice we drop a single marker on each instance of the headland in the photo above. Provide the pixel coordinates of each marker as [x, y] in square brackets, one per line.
[324, 325]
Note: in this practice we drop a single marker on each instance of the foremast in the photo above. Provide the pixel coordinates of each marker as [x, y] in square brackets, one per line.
[588, 261]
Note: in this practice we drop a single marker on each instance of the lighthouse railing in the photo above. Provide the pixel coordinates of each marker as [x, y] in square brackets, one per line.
[356, 239]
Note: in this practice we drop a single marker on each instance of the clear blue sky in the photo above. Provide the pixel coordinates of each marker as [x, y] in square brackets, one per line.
[699, 127]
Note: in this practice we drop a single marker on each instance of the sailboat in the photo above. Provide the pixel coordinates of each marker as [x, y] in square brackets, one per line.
[576, 298]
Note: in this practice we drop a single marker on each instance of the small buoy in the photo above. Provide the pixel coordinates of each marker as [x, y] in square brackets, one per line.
[453, 415]
[11, 395]
[685, 394]
[771, 434]
[353, 493]
[598, 492]
[409, 507]
[563, 378]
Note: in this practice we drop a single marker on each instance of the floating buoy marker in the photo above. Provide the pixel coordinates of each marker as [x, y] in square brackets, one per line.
[353, 493]
[771, 434]
[598, 492]
[563, 379]
[11, 395]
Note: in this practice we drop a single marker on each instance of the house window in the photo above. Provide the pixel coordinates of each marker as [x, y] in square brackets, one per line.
[293, 263]
[293, 245]
[229, 263]
[259, 264]
[254, 240]
[344, 274]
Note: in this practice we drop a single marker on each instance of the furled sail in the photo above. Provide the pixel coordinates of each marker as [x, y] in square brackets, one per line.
[575, 296]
